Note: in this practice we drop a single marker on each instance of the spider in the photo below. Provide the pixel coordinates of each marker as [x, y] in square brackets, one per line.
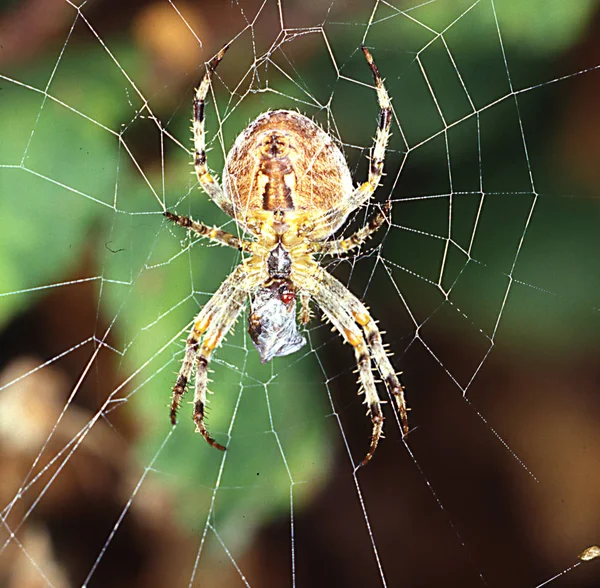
[287, 184]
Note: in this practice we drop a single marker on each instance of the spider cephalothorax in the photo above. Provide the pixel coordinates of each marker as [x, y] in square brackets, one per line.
[287, 183]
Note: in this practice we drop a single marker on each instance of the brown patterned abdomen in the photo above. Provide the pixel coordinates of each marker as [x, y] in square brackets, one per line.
[284, 161]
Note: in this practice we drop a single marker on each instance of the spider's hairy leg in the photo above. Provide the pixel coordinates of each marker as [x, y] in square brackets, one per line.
[201, 323]
[382, 135]
[392, 383]
[212, 233]
[363, 193]
[347, 327]
[362, 316]
[220, 313]
[208, 183]
[212, 339]
[342, 246]
[305, 313]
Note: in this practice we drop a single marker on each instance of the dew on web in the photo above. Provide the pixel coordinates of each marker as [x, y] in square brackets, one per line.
[483, 281]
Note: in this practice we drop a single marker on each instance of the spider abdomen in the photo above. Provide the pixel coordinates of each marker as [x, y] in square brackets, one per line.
[284, 161]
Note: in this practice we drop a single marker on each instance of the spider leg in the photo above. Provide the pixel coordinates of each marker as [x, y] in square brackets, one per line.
[362, 316]
[208, 183]
[201, 323]
[382, 136]
[344, 323]
[342, 246]
[213, 322]
[336, 312]
[213, 337]
[305, 313]
[212, 233]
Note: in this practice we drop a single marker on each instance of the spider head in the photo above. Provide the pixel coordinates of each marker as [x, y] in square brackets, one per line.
[272, 323]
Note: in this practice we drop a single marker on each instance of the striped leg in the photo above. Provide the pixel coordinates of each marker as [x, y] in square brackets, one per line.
[208, 183]
[215, 334]
[346, 326]
[305, 312]
[213, 321]
[364, 192]
[342, 246]
[382, 136]
[361, 315]
[212, 233]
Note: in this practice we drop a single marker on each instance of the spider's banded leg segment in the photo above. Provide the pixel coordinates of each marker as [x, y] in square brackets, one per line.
[232, 305]
[384, 366]
[347, 328]
[184, 374]
[305, 313]
[213, 338]
[382, 136]
[208, 183]
[191, 351]
[221, 310]
[362, 316]
[212, 233]
[383, 130]
[344, 323]
[342, 246]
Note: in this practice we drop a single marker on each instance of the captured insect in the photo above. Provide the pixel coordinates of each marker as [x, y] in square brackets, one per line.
[288, 186]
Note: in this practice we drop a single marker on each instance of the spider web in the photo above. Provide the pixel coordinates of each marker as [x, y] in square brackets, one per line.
[484, 282]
